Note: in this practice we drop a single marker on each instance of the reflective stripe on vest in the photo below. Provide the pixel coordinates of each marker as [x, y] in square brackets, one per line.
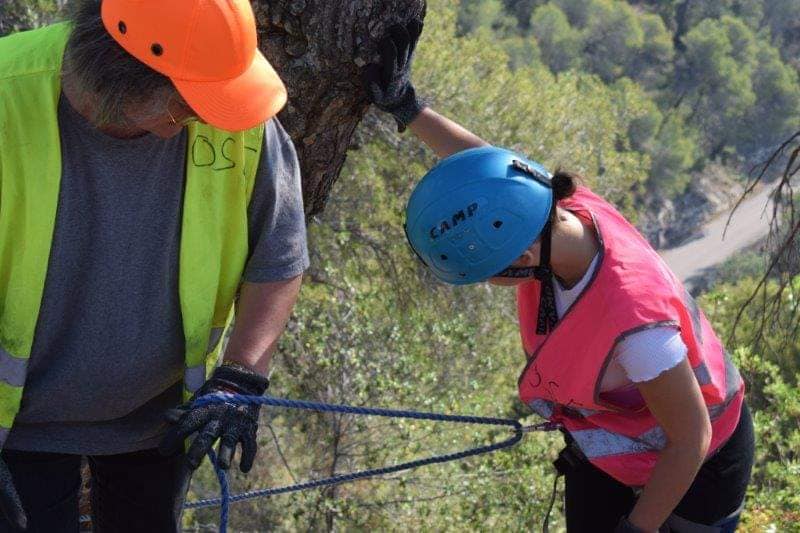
[596, 443]
[12, 378]
[220, 175]
[12, 369]
[194, 377]
[543, 408]
[702, 374]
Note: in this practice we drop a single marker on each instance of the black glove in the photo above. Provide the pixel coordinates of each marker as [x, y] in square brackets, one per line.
[388, 84]
[229, 422]
[10, 504]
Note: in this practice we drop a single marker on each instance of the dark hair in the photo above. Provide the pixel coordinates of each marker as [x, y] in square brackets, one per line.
[565, 183]
[101, 67]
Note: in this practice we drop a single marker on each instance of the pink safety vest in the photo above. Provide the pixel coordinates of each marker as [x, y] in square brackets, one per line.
[632, 289]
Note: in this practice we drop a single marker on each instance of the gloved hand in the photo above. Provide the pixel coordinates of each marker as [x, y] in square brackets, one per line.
[10, 503]
[229, 422]
[388, 84]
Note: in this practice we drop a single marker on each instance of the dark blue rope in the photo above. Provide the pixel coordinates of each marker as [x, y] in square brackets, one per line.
[224, 490]
[226, 499]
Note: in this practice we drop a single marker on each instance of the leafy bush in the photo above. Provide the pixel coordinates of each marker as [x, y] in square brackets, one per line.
[17, 15]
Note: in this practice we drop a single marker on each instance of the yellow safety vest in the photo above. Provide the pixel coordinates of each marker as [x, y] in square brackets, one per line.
[220, 174]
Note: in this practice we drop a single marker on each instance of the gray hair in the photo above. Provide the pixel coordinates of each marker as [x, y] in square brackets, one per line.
[101, 67]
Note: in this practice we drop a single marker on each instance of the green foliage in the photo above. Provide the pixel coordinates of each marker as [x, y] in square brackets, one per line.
[723, 74]
[718, 77]
[521, 10]
[699, 11]
[674, 152]
[750, 11]
[559, 42]
[746, 264]
[776, 338]
[578, 11]
[613, 37]
[670, 145]
[774, 496]
[782, 17]
[606, 37]
[485, 14]
[17, 15]
[742, 97]
[773, 385]
[652, 65]
[778, 90]
[521, 51]
[572, 120]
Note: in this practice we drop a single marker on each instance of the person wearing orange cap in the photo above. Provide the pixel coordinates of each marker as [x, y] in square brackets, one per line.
[146, 192]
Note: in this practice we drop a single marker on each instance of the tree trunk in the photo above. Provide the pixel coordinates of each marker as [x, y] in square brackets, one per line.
[317, 46]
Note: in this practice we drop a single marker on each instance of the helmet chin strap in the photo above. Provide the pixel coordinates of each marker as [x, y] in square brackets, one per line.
[548, 314]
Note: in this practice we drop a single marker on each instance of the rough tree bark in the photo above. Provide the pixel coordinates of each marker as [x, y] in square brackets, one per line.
[317, 46]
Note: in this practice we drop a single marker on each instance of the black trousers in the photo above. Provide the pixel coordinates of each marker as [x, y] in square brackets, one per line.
[595, 502]
[131, 493]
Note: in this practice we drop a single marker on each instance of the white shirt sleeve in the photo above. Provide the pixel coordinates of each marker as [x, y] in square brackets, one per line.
[647, 354]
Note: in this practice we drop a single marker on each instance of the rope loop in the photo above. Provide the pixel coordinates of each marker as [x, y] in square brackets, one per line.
[226, 499]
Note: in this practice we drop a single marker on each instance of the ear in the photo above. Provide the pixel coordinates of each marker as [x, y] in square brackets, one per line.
[527, 259]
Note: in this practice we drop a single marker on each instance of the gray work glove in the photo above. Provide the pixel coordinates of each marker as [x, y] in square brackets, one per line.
[10, 503]
[231, 423]
[388, 84]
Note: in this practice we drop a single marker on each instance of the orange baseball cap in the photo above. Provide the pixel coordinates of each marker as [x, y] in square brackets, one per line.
[209, 49]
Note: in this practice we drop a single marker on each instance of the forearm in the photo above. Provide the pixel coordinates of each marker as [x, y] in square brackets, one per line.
[442, 135]
[672, 476]
[675, 400]
[261, 316]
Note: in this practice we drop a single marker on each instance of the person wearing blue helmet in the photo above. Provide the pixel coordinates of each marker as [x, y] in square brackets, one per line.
[658, 435]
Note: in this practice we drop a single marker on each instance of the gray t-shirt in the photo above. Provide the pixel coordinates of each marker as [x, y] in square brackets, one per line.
[108, 353]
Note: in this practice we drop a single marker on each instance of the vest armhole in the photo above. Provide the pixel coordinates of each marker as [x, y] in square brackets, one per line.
[610, 356]
[254, 148]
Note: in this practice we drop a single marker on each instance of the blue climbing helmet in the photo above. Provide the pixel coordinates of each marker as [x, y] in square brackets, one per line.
[476, 212]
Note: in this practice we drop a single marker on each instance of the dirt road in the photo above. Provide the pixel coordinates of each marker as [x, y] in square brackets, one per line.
[748, 226]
